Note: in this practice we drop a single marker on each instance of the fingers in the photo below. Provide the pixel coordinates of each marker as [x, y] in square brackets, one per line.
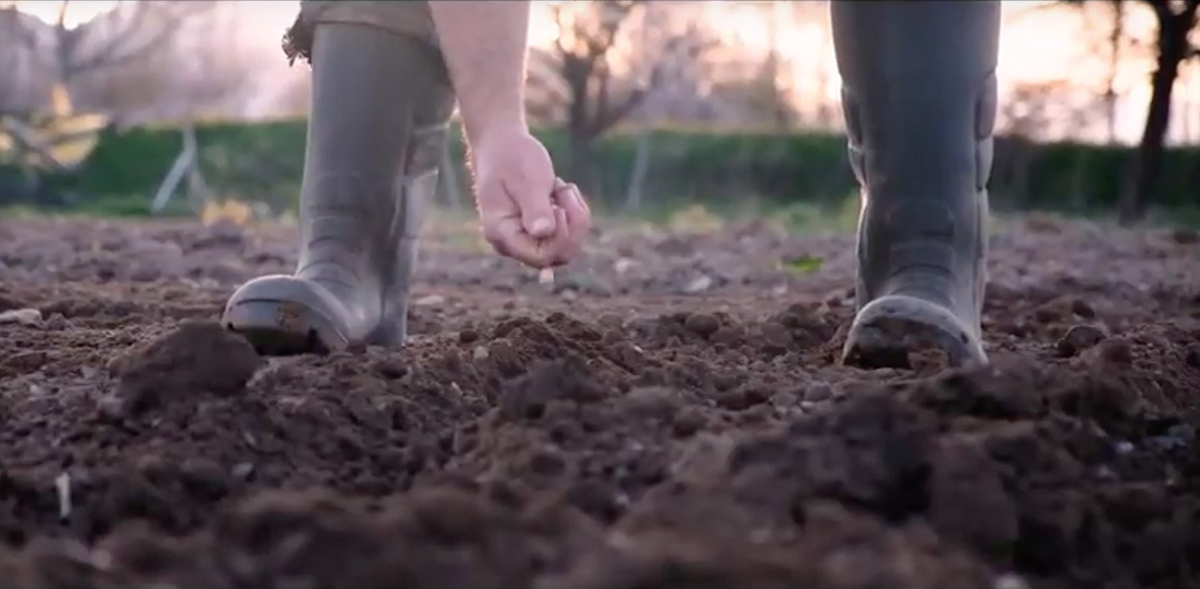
[577, 219]
[509, 238]
[571, 221]
[531, 190]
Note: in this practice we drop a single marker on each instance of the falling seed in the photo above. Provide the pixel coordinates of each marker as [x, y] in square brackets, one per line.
[546, 276]
[63, 485]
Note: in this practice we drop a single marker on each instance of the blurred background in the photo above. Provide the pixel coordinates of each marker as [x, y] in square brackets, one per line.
[190, 107]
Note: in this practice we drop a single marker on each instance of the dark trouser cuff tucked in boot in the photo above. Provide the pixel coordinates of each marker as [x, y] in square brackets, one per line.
[920, 102]
[380, 107]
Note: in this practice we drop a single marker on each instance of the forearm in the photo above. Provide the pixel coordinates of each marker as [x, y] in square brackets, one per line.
[484, 43]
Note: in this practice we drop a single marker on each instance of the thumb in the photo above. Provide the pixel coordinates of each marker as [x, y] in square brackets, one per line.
[533, 193]
[537, 208]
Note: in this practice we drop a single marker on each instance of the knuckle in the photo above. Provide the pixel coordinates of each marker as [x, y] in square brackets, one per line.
[492, 235]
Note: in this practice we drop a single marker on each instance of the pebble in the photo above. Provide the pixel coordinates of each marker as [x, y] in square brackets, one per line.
[21, 316]
[702, 324]
[1078, 339]
[701, 284]
[480, 353]
[430, 301]
[242, 470]
[818, 391]
[1010, 581]
[1193, 355]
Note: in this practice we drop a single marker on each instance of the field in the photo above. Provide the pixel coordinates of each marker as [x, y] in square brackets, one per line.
[668, 412]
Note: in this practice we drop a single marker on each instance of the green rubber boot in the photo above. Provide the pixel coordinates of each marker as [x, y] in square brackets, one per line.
[919, 97]
[380, 109]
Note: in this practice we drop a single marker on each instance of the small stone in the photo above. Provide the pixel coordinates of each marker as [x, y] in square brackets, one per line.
[651, 402]
[26, 317]
[687, 422]
[112, 407]
[1192, 355]
[1078, 339]
[776, 338]
[699, 285]
[733, 401]
[702, 324]
[56, 322]
[1010, 581]
[226, 232]
[430, 301]
[1081, 308]
[1113, 352]
[1185, 236]
[818, 391]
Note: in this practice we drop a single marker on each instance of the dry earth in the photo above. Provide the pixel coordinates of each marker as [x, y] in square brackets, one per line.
[668, 413]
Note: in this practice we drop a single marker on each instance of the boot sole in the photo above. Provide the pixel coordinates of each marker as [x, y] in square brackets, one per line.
[887, 330]
[283, 328]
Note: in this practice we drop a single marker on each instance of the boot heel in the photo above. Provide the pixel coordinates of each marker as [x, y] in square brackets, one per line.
[889, 328]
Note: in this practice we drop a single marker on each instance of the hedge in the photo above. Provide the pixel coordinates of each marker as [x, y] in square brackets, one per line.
[264, 161]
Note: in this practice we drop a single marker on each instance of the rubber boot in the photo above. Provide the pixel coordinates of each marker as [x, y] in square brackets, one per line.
[919, 96]
[380, 109]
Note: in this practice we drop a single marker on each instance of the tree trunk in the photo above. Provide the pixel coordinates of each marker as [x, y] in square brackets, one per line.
[580, 160]
[641, 168]
[1114, 66]
[1147, 167]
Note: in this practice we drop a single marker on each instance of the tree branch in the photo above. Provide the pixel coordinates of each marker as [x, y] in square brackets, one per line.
[123, 48]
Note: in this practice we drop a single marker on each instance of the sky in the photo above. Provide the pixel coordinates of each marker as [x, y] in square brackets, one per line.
[1035, 47]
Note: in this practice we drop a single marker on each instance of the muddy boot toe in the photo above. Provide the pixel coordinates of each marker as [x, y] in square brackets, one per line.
[284, 315]
[888, 329]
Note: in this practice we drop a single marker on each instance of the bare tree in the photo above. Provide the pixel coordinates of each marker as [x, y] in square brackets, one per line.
[1175, 23]
[1176, 19]
[578, 77]
[1115, 37]
[1052, 110]
[133, 32]
[16, 60]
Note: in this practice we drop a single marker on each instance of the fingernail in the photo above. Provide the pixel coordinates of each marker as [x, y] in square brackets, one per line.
[542, 226]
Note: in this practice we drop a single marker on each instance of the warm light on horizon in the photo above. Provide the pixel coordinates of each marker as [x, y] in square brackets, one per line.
[1041, 45]
[78, 11]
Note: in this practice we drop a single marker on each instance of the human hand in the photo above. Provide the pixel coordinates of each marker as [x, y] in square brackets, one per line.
[526, 212]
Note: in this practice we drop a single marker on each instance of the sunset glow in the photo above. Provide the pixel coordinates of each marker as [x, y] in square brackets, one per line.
[1040, 44]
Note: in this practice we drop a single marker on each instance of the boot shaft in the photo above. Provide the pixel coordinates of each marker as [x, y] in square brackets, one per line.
[919, 93]
[377, 133]
[919, 99]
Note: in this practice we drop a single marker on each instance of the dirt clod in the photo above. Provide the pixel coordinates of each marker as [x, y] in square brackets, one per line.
[198, 357]
[1078, 339]
[628, 436]
[702, 324]
[1193, 355]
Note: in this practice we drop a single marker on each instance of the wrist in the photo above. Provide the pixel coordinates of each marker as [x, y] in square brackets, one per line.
[479, 130]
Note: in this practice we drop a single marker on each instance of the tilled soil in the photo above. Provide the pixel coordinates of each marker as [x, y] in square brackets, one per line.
[668, 413]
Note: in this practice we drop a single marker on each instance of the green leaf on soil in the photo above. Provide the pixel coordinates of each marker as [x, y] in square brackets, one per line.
[804, 264]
